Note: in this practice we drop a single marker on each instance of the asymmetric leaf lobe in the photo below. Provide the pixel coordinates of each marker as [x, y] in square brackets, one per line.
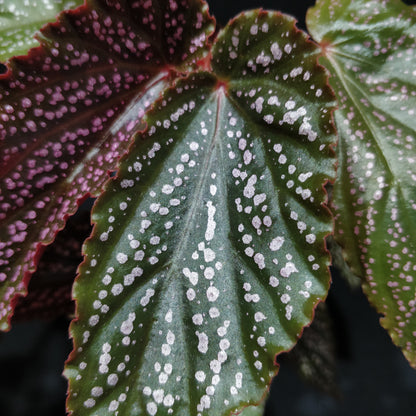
[68, 111]
[369, 47]
[208, 255]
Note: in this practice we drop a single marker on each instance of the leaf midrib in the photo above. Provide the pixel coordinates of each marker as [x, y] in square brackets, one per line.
[198, 189]
[372, 128]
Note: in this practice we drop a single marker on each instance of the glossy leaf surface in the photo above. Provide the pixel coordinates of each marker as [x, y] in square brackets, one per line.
[68, 110]
[21, 19]
[208, 255]
[370, 48]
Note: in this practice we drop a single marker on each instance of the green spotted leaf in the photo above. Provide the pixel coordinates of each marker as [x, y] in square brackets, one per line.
[21, 19]
[208, 256]
[370, 49]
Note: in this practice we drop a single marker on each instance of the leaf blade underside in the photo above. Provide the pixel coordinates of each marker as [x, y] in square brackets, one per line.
[370, 52]
[69, 109]
[203, 263]
[19, 21]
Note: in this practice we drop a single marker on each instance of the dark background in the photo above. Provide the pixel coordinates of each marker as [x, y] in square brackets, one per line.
[373, 377]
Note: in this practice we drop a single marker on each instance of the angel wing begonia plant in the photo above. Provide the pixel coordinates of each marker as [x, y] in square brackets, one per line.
[210, 153]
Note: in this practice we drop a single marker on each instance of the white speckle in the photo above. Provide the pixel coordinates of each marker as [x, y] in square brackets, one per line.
[210, 231]
[121, 258]
[277, 148]
[197, 319]
[273, 100]
[282, 159]
[190, 294]
[288, 269]
[168, 316]
[146, 224]
[209, 273]
[167, 189]
[290, 104]
[247, 238]
[249, 251]
[158, 395]
[200, 376]
[112, 379]
[127, 183]
[276, 51]
[209, 255]
[295, 72]
[268, 118]
[259, 260]
[215, 366]
[127, 326]
[96, 391]
[163, 211]
[259, 316]
[154, 240]
[288, 48]
[166, 349]
[304, 176]
[194, 145]
[291, 116]
[310, 238]
[113, 406]
[214, 313]
[117, 289]
[151, 408]
[146, 299]
[273, 281]
[93, 320]
[212, 293]
[170, 337]
[289, 310]
[305, 129]
[285, 298]
[256, 221]
[192, 276]
[259, 104]
[249, 189]
[254, 29]
[89, 403]
[202, 342]
[261, 341]
[242, 143]
[276, 243]
[168, 401]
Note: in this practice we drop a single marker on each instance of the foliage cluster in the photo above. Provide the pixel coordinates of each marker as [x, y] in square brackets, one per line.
[211, 154]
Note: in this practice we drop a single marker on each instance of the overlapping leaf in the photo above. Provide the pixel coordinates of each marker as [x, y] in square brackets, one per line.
[208, 254]
[21, 19]
[68, 110]
[370, 48]
[49, 290]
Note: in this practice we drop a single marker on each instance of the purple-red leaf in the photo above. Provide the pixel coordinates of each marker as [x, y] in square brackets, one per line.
[49, 291]
[69, 108]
